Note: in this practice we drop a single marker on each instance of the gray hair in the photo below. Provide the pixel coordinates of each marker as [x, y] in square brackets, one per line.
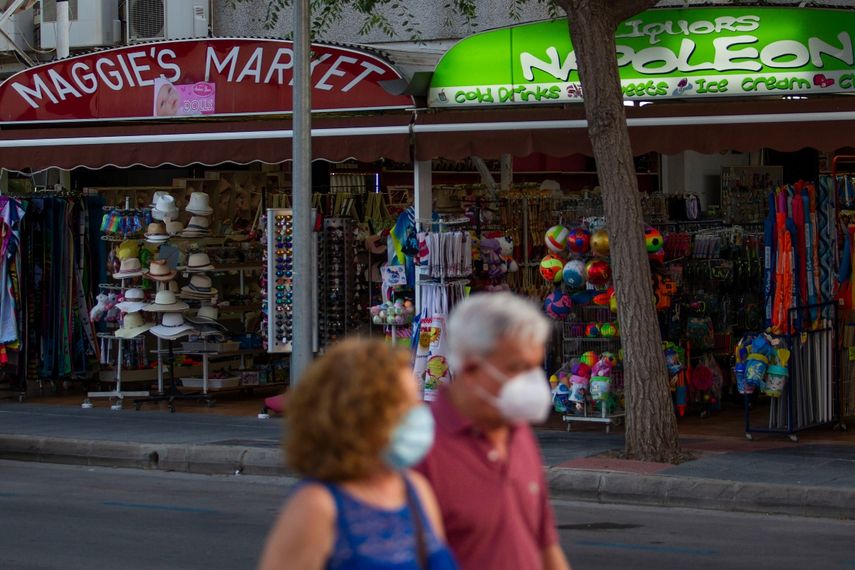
[479, 322]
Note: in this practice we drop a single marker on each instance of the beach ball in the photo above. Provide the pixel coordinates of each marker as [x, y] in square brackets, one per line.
[609, 330]
[550, 268]
[610, 358]
[558, 305]
[592, 330]
[653, 240]
[589, 358]
[574, 274]
[600, 243]
[598, 272]
[556, 238]
[579, 241]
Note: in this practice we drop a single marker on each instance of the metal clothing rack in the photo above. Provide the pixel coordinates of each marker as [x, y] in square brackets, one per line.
[811, 396]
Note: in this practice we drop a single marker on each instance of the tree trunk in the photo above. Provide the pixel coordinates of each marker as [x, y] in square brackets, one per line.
[651, 427]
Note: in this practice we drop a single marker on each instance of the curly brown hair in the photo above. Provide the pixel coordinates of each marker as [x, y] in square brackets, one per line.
[341, 413]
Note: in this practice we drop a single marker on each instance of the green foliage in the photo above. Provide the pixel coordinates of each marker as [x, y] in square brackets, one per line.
[387, 16]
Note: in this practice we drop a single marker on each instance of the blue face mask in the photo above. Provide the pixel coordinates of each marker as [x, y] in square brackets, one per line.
[411, 439]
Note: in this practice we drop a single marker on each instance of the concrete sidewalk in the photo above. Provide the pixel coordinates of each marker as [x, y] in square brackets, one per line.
[769, 475]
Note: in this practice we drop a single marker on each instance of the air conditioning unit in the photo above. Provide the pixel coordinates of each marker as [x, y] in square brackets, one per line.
[149, 20]
[19, 29]
[93, 23]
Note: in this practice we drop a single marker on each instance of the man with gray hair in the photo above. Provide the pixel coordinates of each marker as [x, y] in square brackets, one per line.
[485, 465]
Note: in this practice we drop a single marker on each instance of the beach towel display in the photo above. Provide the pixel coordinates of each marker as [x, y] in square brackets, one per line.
[800, 302]
[430, 328]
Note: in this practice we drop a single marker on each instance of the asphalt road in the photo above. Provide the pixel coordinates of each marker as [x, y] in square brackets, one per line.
[68, 518]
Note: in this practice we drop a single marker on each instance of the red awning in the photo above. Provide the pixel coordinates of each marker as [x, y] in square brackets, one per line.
[785, 125]
[208, 142]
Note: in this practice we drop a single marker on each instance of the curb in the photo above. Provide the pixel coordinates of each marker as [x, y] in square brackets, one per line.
[700, 493]
[567, 484]
[192, 458]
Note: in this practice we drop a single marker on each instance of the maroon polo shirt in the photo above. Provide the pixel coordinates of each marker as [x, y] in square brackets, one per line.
[496, 513]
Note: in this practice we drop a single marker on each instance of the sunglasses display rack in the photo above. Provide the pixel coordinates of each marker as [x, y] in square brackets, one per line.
[279, 259]
[338, 295]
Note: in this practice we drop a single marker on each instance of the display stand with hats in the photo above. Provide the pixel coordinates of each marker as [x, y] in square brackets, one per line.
[133, 325]
[171, 327]
[183, 245]
[122, 351]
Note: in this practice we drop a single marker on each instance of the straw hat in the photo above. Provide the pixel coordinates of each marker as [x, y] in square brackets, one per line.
[198, 226]
[164, 208]
[165, 302]
[199, 287]
[134, 300]
[133, 325]
[130, 267]
[206, 317]
[157, 195]
[199, 204]
[174, 227]
[156, 233]
[172, 326]
[198, 263]
[159, 271]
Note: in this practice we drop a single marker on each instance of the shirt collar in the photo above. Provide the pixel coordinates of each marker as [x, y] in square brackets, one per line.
[447, 416]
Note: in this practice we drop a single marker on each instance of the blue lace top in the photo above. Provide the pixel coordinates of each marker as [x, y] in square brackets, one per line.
[368, 538]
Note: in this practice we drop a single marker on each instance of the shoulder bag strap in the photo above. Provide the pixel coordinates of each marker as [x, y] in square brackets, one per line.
[418, 527]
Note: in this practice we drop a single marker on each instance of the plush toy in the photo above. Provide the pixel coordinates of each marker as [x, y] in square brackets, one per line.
[506, 252]
[111, 311]
[602, 368]
[580, 377]
[610, 359]
[491, 257]
[97, 312]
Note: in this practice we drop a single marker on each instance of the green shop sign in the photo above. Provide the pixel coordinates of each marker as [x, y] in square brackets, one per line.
[682, 53]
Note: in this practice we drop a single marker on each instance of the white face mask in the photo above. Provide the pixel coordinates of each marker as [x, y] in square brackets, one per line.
[526, 397]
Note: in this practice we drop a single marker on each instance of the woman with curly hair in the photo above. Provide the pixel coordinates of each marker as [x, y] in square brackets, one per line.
[355, 426]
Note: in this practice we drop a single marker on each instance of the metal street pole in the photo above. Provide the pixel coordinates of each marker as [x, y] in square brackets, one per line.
[301, 188]
[62, 30]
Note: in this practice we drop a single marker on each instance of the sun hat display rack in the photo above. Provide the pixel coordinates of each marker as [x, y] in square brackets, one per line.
[118, 394]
